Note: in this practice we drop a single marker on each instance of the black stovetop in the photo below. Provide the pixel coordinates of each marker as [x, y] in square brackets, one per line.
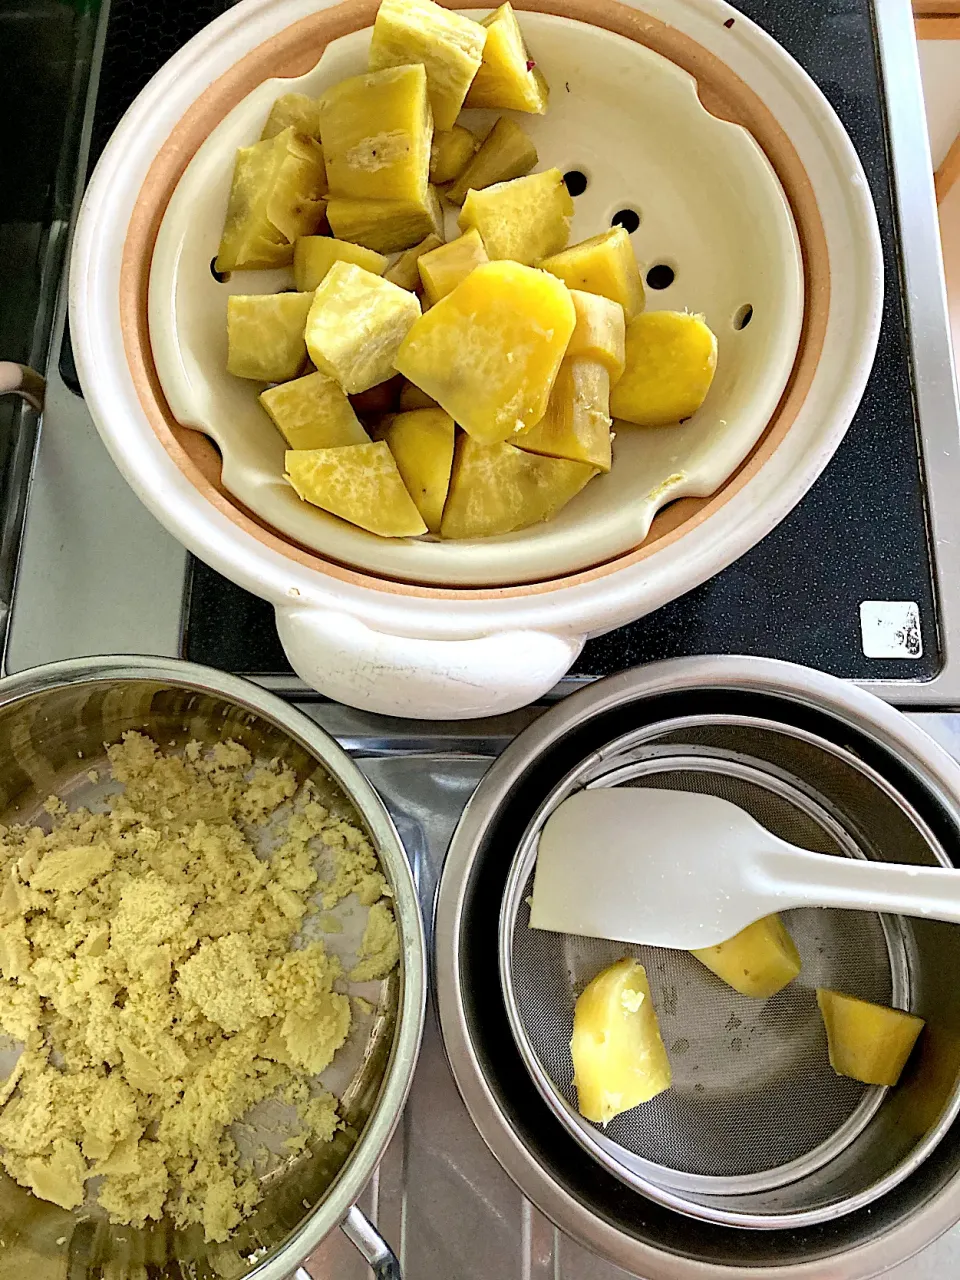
[860, 534]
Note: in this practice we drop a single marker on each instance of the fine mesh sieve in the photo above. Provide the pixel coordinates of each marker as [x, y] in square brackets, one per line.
[756, 1127]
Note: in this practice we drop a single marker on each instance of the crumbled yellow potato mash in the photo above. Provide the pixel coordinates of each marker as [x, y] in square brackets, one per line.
[380, 948]
[146, 965]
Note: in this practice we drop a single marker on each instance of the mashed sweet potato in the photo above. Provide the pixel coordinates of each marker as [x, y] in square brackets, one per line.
[154, 971]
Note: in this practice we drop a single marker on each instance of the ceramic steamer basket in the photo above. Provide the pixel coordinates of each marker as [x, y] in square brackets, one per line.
[712, 215]
[746, 188]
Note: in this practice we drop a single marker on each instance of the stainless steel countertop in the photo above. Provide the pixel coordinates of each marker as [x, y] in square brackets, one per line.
[97, 574]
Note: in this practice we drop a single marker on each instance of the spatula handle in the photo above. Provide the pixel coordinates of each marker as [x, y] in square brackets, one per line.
[800, 878]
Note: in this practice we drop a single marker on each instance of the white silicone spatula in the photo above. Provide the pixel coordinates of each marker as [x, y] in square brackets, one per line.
[678, 869]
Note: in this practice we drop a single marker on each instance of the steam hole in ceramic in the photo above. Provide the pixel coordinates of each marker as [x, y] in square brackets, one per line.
[576, 182]
[661, 276]
[629, 219]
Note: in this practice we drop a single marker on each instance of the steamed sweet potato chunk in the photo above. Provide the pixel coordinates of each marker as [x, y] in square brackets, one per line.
[449, 46]
[359, 483]
[508, 78]
[313, 256]
[758, 961]
[422, 446]
[577, 422]
[506, 153]
[355, 325]
[670, 360]
[489, 351]
[265, 335]
[496, 488]
[313, 413]
[388, 226]
[600, 332]
[619, 1059]
[376, 133]
[523, 220]
[604, 265]
[445, 267]
[276, 196]
[294, 110]
[867, 1042]
[451, 152]
[405, 271]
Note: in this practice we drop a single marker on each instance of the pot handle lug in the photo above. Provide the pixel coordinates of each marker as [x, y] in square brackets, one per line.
[368, 1241]
[18, 379]
[346, 660]
[364, 1236]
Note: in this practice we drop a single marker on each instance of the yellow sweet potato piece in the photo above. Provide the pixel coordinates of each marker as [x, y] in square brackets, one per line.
[412, 397]
[387, 226]
[758, 961]
[405, 271]
[671, 358]
[496, 488]
[294, 110]
[508, 78]
[265, 335]
[313, 256]
[442, 269]
[506, 153]
[449, 47]
[355, 325]
[313, 413]
[451, 152]
[359, 483]
[250, 241]
[867, 1042]
[295, 205]
[276, 195]
[422, 446]
[577, 422]
[604, 264]
[600, 332]
[618, 1056]
[376, 133]
[489, 352]
[524, 220]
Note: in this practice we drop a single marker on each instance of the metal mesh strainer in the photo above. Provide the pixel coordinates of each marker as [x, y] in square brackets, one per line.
[755, 1111]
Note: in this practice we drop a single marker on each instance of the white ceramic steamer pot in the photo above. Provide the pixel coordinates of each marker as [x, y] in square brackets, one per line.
[453, 632]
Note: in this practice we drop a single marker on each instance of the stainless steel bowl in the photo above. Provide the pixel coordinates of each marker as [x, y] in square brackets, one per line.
[581, 1195]
[54, 724]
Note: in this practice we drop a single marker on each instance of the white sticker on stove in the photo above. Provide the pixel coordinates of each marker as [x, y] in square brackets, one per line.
[890, 629]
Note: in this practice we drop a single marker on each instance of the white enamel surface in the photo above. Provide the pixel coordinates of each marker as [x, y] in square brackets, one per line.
[712, 208]
[568, 611]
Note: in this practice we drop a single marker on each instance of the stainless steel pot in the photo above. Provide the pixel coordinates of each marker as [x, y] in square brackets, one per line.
[756, 1131]
[54, 723]
[580, 1194]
